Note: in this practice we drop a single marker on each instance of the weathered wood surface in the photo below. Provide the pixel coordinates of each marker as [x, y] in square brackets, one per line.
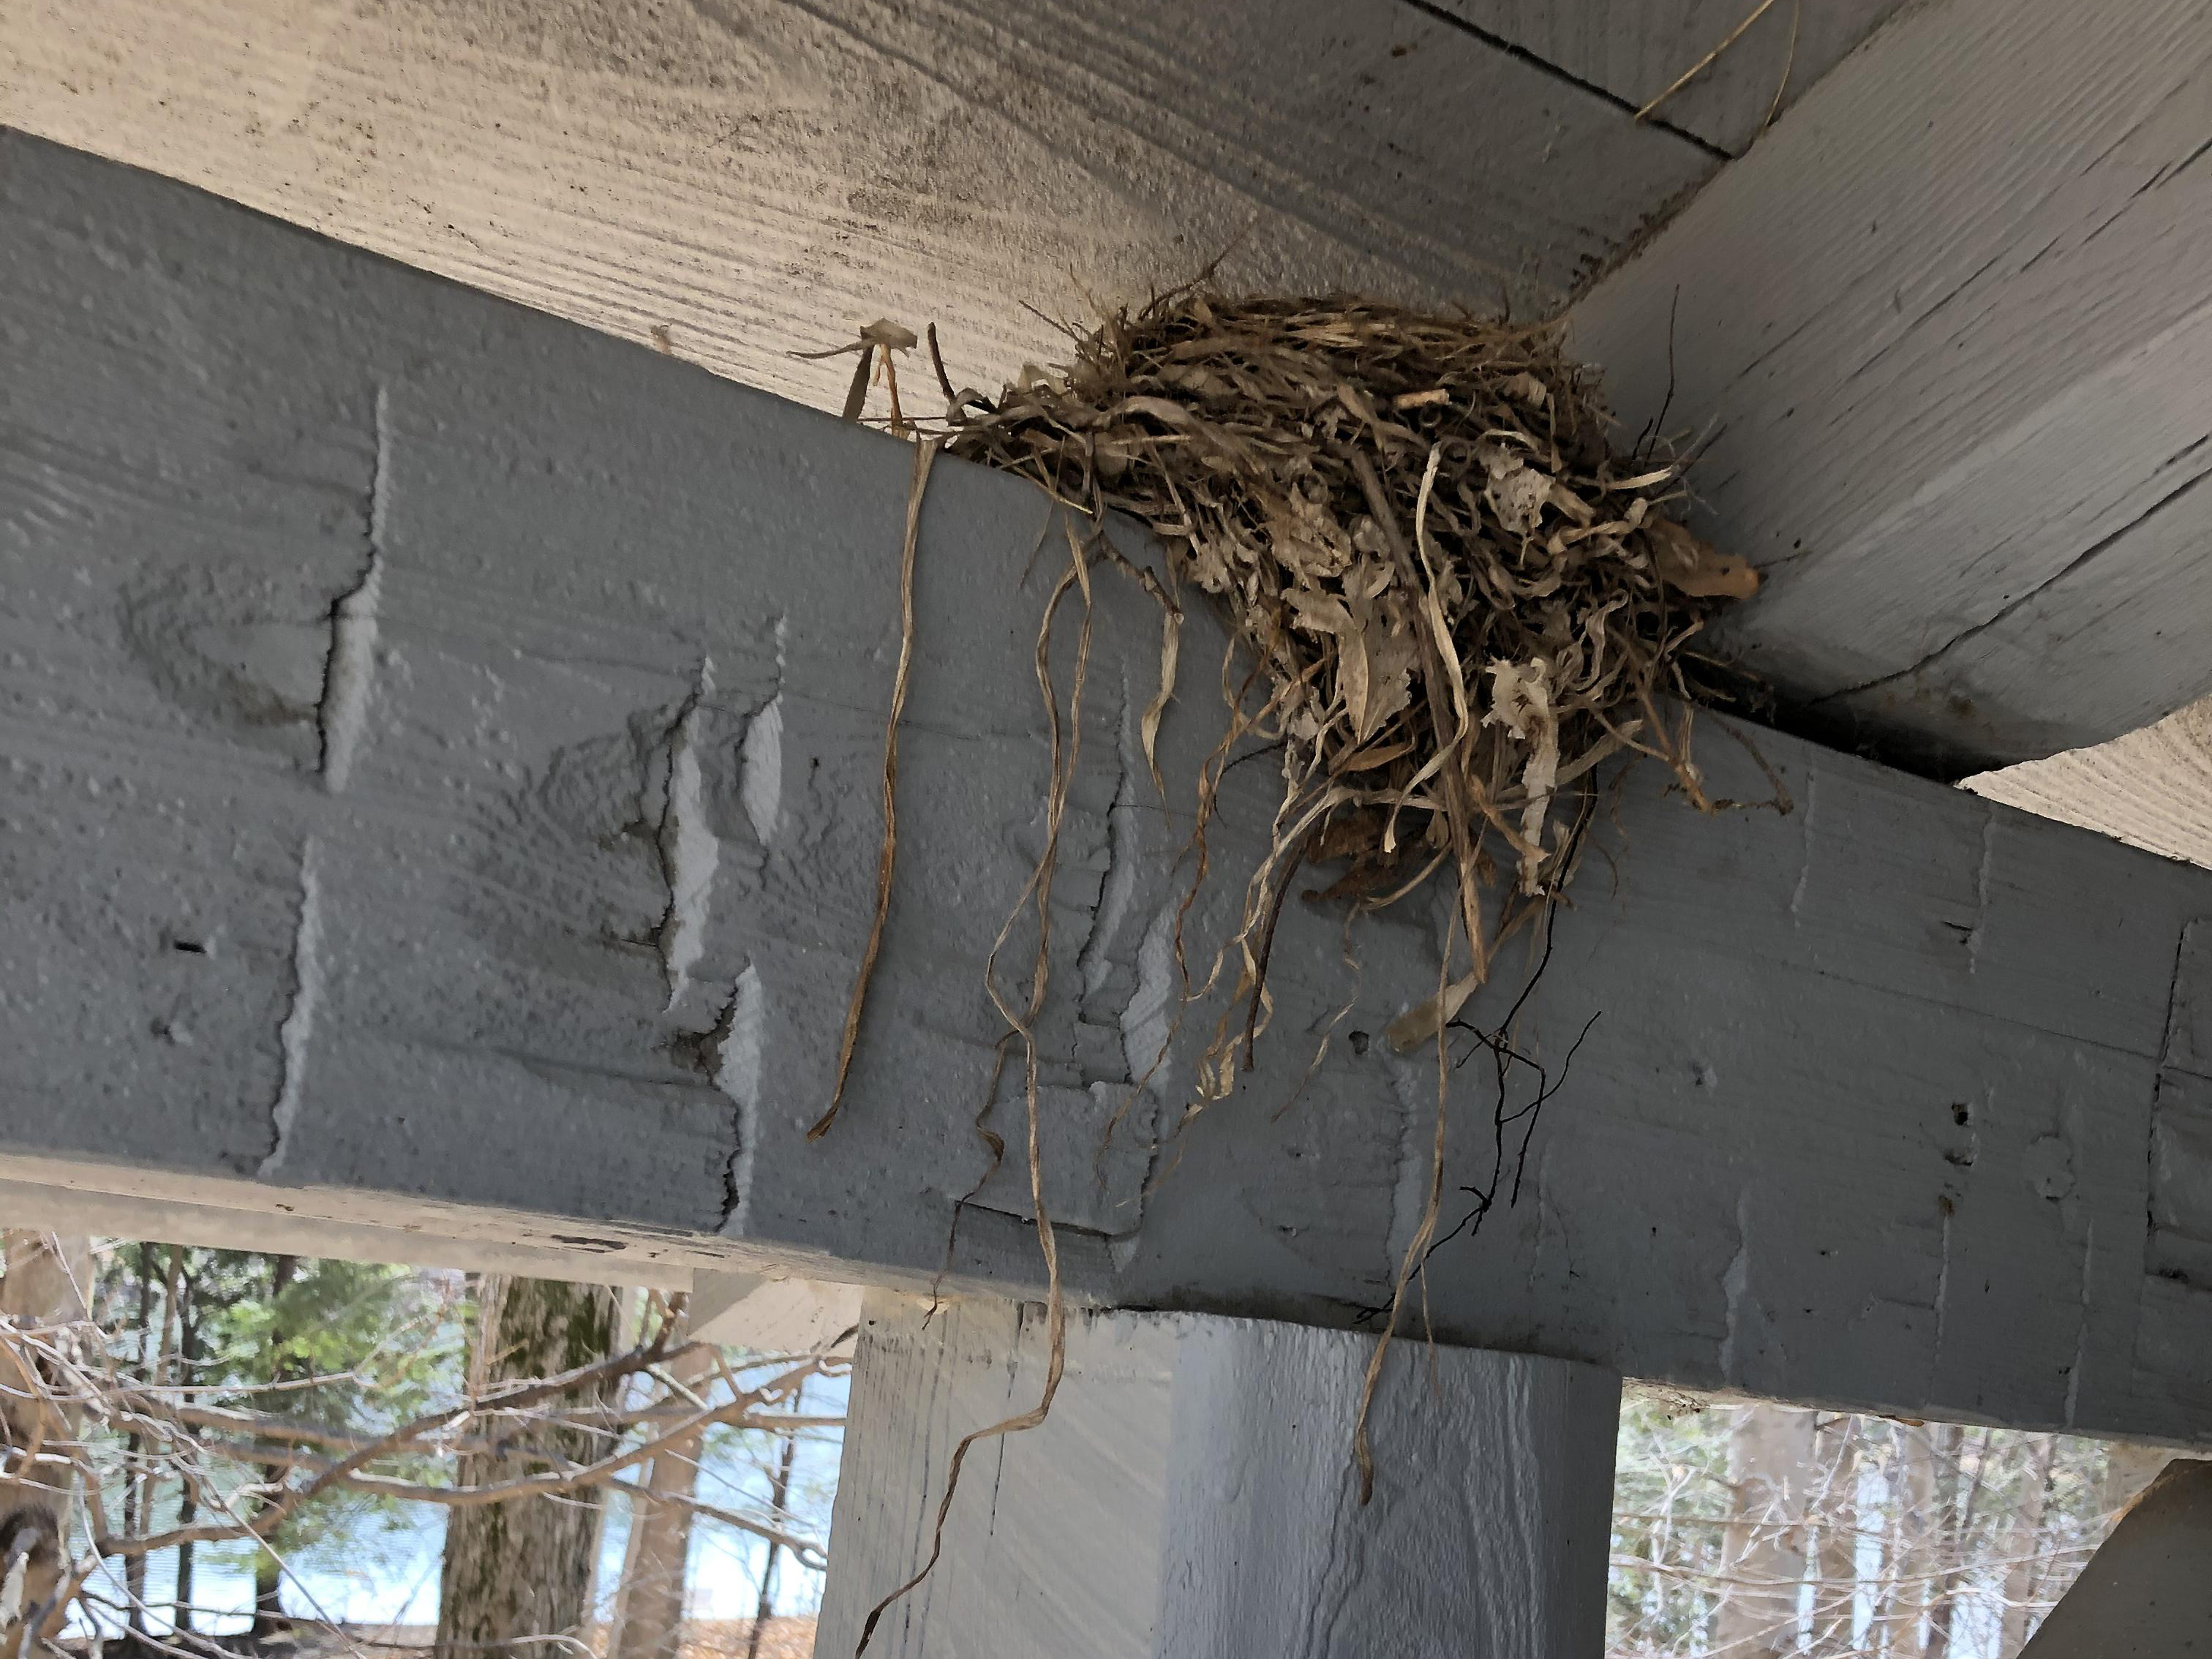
[1636, 49]
[758, 177]
[772, 1316]
[441, 752]
[114, 1200]
[1945, 328]
[1193, 1494]
[2151, 788]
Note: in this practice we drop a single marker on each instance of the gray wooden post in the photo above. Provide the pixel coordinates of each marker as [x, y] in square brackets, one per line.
[1193, 1494]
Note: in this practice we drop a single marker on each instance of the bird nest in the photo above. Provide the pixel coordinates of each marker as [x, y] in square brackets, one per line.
[1454, 599]
[1457, 596]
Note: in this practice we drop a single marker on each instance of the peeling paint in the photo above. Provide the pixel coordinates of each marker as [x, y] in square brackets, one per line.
[2081, 1329]
[690, 850]
[350, 679]
[760, 770]
[298, 1029]
[1981, 890]
[737, 1057]
[2047, 1165]
[1413, 1086]
[1805, 830]
[1942, 1299]
[1147, 1019]
[1117, 888]
[1736, 1285]
[760, 755]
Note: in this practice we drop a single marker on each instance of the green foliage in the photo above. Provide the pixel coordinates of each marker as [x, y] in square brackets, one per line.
[379, 1339]
[1671, 1500]
[343, 1345]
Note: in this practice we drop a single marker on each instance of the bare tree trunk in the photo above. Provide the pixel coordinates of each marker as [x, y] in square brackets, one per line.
[2024, 1544]
[165, 1361]
[48, 1279]
[649, 1621]
[779, 1500]
[1913, 1546]
[1835, 1508]
[268, 1571]
[140, 1489]
[188, 1501]
[518, 1576]
[1959, 1504]
[1771, 1470]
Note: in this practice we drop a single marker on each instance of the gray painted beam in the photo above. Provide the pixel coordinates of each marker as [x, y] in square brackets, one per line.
[1945, 328]
[1192, 1495]
[439, 753]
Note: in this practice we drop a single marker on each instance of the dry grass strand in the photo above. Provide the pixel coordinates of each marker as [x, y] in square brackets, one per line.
[925, 454]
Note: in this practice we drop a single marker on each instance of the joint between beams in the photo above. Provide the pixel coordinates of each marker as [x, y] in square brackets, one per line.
[2096, 549]
[1512, 49]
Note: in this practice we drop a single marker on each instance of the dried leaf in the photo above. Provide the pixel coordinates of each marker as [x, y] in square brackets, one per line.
[1526, 390]
[1516, 491]
[1696, 567]
[1426, 1022]
[1148, 728]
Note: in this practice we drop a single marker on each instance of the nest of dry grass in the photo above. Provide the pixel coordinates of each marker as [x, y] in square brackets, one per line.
[1458, 598]
[1453, 599]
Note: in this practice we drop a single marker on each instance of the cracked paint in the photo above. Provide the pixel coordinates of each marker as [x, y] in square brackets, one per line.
[735, 1046]
[1735, 1286]
[350, 679]
[298, 1028]
[1117, 888]
[690, 850]
[2081, 1328]
[760, 757]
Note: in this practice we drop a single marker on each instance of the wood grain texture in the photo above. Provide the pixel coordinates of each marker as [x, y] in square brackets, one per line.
[1895, 1101]
[2151, 788]
[1944, 330]
[1636, 49]
[470, 1243]
[1193, 1495]
[761, 177]
[773, 1315]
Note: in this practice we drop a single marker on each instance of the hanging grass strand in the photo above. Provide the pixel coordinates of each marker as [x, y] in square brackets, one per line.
[924, 454]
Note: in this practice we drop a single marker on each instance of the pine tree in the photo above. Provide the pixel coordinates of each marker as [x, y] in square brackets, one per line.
[517, 1575]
